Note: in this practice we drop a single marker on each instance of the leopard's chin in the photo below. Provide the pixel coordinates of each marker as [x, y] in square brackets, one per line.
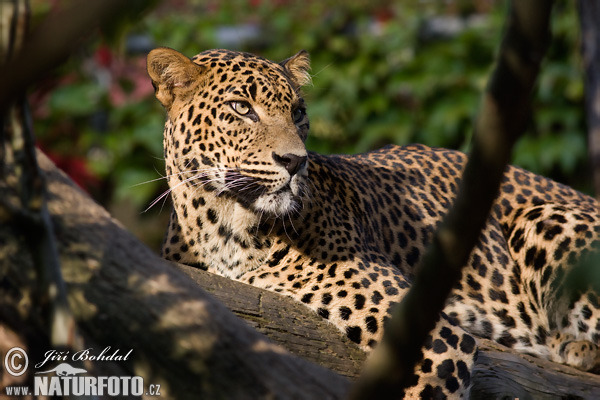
[277, 204]
[283, 201]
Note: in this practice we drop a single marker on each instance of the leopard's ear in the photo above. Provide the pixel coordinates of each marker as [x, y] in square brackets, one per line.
[297, 68]
[173, 74]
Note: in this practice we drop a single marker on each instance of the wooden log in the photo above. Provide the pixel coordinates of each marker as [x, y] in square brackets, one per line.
[500, 372]
[285, 321]
[124, 296]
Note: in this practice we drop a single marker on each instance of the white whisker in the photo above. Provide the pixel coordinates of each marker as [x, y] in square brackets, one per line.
[157, 200]
[289, 215]
[167, 192]
[202, 170]
[285, 230]
[272, 226]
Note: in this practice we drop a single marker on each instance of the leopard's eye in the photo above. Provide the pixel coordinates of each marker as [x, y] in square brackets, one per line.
[241, 107]
[298, 115]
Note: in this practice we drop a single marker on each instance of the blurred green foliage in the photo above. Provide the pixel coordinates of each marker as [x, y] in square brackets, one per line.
[378, 78]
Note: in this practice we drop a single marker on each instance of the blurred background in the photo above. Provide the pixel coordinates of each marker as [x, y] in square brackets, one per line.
[383, 72]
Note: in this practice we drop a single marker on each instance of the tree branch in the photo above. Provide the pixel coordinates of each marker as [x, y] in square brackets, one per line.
[504, 113]
[589, 15]
[59, 35]
[19, 169]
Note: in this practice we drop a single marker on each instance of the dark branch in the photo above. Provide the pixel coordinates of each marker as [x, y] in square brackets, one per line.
[27, 207]
[589, 15]
[504, 113]
[58, 36]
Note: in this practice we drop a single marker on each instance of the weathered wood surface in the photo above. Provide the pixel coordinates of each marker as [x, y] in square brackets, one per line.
[284, 321]
[125, 296]
[501, 373]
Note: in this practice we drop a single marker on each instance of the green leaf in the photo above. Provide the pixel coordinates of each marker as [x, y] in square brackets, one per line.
[76, 100]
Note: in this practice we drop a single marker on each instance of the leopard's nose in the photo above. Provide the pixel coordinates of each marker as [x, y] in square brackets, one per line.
[291, 162]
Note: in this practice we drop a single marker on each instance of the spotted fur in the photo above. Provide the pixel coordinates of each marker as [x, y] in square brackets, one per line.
[343, 234]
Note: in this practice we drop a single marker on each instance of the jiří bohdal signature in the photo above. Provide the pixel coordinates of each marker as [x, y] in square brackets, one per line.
[107, 354]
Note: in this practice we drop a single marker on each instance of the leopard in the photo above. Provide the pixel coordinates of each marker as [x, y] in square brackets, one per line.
[344, 234]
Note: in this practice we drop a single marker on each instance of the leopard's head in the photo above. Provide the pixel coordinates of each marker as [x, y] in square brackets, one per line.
[236, 125]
